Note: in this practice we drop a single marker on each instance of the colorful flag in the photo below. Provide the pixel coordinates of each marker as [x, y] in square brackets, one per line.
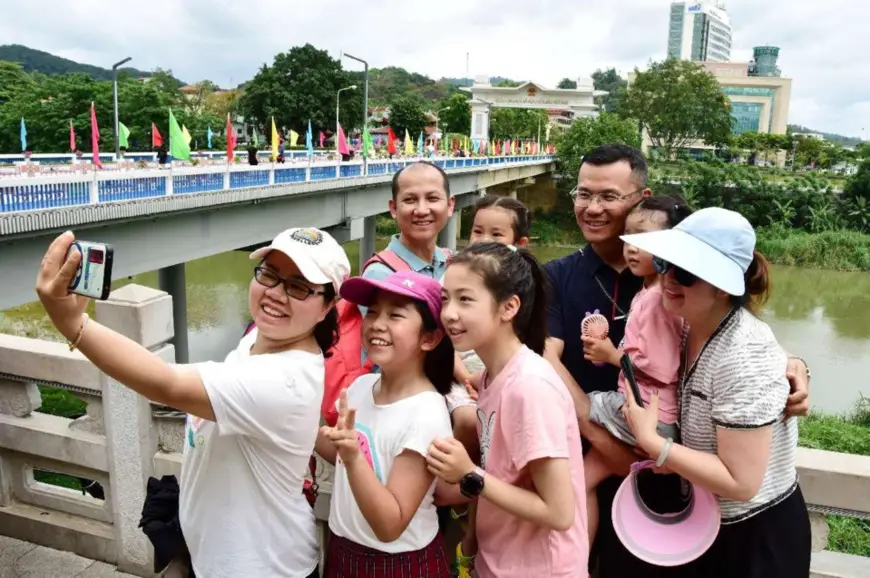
[123, 135]
[231, 140]
[187, 137]
[23, 134]
[367, 146]
[409, 146]
[322, 137]
[256, 138]
[95, 137]
[208, 135]
[156, 139]
[420, 144]
[179, 146]
[341, 142]
[72, 137]
[275, 140]
[294, 138]
[309, 144]
[391, 141]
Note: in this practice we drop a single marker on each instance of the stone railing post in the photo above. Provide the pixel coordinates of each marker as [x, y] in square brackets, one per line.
[145, 316]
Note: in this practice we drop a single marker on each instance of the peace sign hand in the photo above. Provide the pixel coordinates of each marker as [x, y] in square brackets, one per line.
[343, 436]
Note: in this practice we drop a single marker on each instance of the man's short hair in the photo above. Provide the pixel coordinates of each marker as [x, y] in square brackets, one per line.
[616, 152]
[395, 183]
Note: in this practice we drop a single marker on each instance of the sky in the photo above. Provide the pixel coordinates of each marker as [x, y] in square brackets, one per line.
[824, 46]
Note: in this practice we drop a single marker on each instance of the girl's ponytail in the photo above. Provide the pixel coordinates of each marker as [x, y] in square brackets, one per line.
[534, 335]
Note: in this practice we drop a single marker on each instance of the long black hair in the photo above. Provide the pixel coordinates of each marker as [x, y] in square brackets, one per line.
[438, 363]
[509, 271]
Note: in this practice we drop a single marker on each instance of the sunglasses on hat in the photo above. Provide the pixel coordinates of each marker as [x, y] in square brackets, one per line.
[681, 276]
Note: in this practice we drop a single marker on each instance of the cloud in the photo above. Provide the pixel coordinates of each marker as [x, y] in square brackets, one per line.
[822, 45]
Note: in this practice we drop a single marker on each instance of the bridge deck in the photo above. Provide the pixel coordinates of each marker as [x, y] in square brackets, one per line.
[25, 560]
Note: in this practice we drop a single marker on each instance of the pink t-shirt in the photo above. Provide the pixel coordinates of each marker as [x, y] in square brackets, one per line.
[653, 340]
[525, 414]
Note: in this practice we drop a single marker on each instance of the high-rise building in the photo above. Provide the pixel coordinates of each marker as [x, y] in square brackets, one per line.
[699, 31]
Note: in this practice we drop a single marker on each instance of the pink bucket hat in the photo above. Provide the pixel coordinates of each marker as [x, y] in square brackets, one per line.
[427, 290]
[664, 520]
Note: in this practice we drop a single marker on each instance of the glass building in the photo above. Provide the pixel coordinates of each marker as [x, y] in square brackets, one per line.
[699, 31]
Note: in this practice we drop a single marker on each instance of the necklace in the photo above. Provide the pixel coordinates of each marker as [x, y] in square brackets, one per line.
[612, 299]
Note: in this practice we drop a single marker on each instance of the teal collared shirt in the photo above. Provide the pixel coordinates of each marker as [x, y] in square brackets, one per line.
[377, 271]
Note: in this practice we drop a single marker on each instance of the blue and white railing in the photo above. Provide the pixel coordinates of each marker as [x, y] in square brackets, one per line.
[66, 190]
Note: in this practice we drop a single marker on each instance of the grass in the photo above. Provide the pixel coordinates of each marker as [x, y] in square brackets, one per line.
[838, 250]
[61, 403]
[845, 434]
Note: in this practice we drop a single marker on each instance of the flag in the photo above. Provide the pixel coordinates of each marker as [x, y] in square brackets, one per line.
[208, 135]
[322, 137]
[156, 139]
[391, 141]
[72, 137]
[23, 136]
[420, 144]
[294, 138]
[256, 138]
[231, 141]
[187, 137]
[309, 145]
[275, 139]
[179, 146]
[95, 136]
[341, 142]
[123, 135]
[367, 146]
[409, 146]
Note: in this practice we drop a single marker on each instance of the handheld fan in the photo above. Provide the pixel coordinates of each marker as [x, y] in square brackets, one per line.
[595, 325]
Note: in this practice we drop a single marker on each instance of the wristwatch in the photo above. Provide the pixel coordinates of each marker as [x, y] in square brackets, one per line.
[471, 484]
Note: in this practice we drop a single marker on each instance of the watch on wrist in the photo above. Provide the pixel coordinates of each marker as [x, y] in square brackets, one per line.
[471, 484]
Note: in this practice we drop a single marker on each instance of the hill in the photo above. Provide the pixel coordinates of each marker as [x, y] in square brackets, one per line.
[846, 141]
[32, 60]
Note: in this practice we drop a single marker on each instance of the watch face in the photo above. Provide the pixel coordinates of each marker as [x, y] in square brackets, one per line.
[471, 485]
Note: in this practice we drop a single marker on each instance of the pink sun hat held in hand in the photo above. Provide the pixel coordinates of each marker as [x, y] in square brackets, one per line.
[664, 519]
[362, 291]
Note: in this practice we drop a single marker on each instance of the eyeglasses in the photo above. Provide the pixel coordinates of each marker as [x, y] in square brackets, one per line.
[681, 276]
[607, 199]
[295, 289]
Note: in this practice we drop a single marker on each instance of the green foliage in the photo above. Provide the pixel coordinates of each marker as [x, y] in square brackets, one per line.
[610, 81]
[846, 141]
[839, 250]
[458, 118]
[301, 85]
[38, 61]
[587, 133]
[388, 84]
[858, 187]
[514, 123]
[677, 103]
[567, 83]
[406, 113]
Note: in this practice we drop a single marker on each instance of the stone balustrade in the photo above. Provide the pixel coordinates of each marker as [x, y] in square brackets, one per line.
[124, 439]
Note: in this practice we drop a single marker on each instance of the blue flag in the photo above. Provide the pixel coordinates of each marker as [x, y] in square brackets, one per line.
[23, 136]
[309, 141]
[420, 144]
[208, 135]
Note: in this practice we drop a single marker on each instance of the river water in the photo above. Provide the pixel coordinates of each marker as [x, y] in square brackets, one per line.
[823, 316]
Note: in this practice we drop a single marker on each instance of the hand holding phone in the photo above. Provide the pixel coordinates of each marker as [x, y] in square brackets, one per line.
[628, 370]
[93, 278]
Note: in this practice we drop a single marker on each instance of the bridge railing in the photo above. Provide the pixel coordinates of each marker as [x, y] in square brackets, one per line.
[124, 439]
[52, 191]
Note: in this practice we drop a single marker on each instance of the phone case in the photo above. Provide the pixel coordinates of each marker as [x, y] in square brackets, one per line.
[93, 277]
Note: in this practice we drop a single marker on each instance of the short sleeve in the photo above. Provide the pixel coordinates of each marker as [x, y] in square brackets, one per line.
[376, 272]
[654, 340]
[259, 397]
[431, 421]
[533, 420]
[554, 305]
[750, 387]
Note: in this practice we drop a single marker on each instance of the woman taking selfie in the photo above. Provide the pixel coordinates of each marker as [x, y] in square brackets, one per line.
[252, 420]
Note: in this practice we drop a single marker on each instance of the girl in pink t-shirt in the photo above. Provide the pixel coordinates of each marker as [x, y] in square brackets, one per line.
[652, 342]
[531, 510]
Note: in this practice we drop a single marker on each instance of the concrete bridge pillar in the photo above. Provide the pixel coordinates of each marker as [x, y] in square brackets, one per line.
[173, 280]
[447, 237]
[367, 243]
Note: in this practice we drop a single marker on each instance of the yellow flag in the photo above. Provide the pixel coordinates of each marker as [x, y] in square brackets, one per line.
[294, 138]
[409, 146]
[186, 135]
[274, 140]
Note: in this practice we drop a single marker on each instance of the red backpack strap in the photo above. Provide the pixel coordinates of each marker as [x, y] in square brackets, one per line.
[390, 259]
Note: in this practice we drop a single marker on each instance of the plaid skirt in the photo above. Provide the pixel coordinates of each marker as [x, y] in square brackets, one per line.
[346, 559]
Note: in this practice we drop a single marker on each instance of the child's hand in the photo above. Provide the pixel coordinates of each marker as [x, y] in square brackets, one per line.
[448, 460]
[600, 350]
[471, 389]
[343, 435]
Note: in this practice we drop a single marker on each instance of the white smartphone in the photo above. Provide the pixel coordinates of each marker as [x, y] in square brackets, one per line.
[93, 278]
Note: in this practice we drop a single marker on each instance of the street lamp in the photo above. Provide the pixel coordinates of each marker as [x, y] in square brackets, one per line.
[115, 98]
[337, 99]
[437, 119]
[365, 104]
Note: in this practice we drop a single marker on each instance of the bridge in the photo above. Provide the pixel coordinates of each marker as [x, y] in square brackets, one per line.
[161, 219]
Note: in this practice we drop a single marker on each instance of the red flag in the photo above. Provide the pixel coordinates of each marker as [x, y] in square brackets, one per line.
[95, 137]
[391, 141]
[322, 138]
[72, 137]
[231, 141]
[156, 139]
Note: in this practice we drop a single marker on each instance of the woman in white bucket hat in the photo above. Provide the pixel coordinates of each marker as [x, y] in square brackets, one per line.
[735, 442]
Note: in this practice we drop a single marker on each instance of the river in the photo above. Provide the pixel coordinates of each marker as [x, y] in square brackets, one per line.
[823, 316]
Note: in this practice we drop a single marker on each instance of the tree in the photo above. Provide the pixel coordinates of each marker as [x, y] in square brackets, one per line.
[458, 118]
[678, 103]
[567, 83]
[516, 123]
[609, 81]
[406, 113]
[587, 133]
[223, 102]
[13, 80]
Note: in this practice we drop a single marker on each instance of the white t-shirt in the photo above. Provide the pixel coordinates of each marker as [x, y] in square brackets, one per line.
[242, 510]
[385, 431]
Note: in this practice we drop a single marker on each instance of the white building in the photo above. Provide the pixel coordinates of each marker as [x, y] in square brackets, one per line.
[699, 31]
